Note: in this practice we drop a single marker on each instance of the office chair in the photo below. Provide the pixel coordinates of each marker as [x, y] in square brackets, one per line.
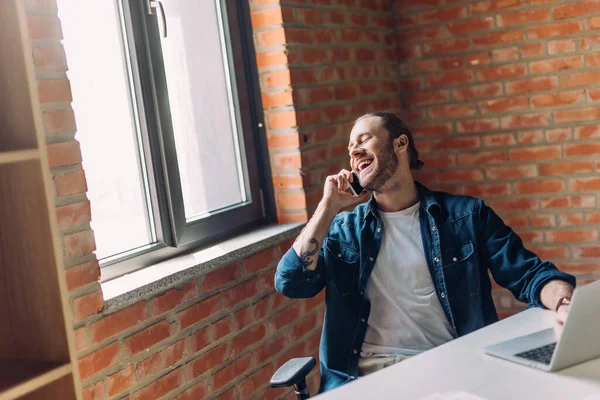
[293, 373]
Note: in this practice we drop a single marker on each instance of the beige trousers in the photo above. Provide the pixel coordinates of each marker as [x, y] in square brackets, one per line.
[367, 365]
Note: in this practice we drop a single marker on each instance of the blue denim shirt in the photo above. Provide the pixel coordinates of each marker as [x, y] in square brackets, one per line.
[453, 228]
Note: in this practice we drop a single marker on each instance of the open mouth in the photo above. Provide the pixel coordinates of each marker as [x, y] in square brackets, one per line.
[364, 164]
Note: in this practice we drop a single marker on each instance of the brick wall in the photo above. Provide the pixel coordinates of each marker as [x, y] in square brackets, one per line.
[506, 100]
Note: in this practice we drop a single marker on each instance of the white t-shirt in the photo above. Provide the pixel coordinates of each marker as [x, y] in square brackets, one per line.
[406, 316]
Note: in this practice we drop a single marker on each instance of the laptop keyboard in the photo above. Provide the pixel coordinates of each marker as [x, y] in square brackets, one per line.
[540, 354]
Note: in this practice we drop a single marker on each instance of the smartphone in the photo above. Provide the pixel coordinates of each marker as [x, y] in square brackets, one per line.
[355, 187]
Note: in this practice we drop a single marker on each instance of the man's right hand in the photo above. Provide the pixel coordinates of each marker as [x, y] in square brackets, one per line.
[335, 193]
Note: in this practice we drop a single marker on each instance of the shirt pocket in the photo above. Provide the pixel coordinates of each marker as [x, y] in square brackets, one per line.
[460, 271]
[343, 264]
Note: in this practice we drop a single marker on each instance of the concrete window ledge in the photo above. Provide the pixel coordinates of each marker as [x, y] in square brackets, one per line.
[152, 280]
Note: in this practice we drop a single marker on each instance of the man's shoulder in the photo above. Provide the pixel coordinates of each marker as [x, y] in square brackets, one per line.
[351, 218]
[454, 205]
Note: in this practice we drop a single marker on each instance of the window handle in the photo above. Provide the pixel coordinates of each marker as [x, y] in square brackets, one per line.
[158, 4]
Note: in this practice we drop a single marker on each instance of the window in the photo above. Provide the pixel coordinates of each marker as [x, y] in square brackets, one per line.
[168, 118]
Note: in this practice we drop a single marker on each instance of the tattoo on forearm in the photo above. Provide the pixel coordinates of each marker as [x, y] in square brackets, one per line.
[305, 257]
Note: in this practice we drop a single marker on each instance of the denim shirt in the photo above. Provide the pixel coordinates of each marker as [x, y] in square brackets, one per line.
[462, 238]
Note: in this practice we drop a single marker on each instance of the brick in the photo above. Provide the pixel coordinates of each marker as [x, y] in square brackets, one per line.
[522, 17]
[292, 201]
[441, 161]
[556, 65]
[504, 104]
[593, 60]
[478, 59]
[584, 184]
[62, 154]
[88, 304]
[566, 168]
[173, 298]
[558, 135]
[531, 85]
[257, 380]
[450, 78]
[593, 217]
[207, 361]
[199, 311]
[99, 360]
[198, 391]
[535, 153]
[70, 183]
[447, 46]
[579, 79]
[299, 36]
[587, 252]
[561, 46]
[147, 337]
[576, 9]
[593, 23]
[477, 125]
[428, 65]
[201, 339]
[583, 201]
[525, 121]
[411, 84]
[117, 322]
[429, 97]
[247, 339]
[558, 99]
[587, 131]
[531, 137]
[589, 42]
[543, 220]
[550, 253]
[501, 72]
[443, 14]
[570, 219]
[419, 34]
[505, 55]
[150, 366]
[539, 186]
[221, 277]
[54, 91]
[479, 158]
[442, 129]
[59, 121]
[43, 6]
[556, 29]
[533, 50]
[174, 353]
[274, 79]
[452, 110]
[50, 59]
[594, 95]
[303, 327]
[516, 221]
[578, 114]
[457, 143]
[468, 175]
[44, 27]
[266, 17]
[284, 119]
[73, 215]
[531, 237]
[277, 99]
[486, 190]
[271, 58]
[512, 205]
[161, 386]
[499, 38]
[580, 268]
[472, 25]
[511, 172]
[477, 91]
[94, 392]
[82, 275]
[121, 381]
[499, 140]
[232, 371]
[244, 317]
[259, 261]
[79, 244]
[488, 6]
[242, 292]
[80, 337]
[572, 236]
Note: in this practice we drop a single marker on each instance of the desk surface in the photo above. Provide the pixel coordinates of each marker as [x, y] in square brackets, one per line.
[462, 366]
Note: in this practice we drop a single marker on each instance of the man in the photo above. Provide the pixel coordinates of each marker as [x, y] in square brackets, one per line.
[408, 270]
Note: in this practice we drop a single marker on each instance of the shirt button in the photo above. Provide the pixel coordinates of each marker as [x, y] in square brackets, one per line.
[378, 229]
[436, 259]
[454, 259]
[433, 228]
[370, 258]
[355, 351]
[443, 295]
[363, 320]
[339, 255]
[361, 292]
[351, 378]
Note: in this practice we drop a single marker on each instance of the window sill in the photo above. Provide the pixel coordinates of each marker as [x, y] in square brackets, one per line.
[147, 282]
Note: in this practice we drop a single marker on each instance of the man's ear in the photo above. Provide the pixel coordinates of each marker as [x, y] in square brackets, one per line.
[401, 143]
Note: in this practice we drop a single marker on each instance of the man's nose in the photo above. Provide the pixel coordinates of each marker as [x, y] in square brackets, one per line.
[356, 152]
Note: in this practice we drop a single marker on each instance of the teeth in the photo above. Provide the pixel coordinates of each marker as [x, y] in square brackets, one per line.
[364, 164]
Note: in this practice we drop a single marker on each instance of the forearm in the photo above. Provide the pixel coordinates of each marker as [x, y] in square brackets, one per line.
[311, 238]
[553, 291]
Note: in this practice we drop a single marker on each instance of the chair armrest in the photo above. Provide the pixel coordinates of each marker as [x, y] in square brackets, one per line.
[292, 372]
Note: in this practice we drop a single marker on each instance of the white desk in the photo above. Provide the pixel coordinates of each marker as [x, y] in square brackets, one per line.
[461, 365]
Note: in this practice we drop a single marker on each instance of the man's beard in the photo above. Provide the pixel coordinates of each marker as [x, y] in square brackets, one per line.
[387, 165]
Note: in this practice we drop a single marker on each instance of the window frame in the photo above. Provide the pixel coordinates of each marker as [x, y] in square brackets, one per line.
[174, 235]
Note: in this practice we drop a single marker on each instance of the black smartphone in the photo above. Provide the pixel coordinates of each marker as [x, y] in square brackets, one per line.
[355, 187]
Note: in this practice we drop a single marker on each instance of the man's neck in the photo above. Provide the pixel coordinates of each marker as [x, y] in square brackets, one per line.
[399, 197]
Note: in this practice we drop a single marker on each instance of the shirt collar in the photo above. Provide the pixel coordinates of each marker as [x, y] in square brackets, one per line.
[426, 196]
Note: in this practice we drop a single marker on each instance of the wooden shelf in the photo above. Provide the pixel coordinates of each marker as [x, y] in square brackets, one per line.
[18, 377]
[19, 155]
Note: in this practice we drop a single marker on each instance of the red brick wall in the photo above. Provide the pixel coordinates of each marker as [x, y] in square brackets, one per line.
[507, 104]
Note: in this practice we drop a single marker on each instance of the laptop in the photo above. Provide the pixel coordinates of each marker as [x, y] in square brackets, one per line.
[578, 342]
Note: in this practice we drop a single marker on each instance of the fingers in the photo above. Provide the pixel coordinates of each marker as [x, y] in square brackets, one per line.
[346, 174]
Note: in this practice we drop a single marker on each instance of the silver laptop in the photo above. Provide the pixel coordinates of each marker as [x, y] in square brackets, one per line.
[578, 342]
